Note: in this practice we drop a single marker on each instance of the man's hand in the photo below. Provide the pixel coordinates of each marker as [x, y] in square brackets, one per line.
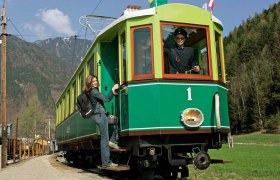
[196, 68]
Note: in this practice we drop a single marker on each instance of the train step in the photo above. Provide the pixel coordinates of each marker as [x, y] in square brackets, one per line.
[118, 150]
[120, 167]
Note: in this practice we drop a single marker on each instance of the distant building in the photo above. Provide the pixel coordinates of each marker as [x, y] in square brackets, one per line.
[9, 130]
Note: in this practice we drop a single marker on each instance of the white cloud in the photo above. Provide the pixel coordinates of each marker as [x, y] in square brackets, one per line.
[38, 29]
[57, 20]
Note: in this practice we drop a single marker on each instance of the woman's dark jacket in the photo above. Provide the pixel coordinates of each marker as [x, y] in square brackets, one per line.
[97, 98]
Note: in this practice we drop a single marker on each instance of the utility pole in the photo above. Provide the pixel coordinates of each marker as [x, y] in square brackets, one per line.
[49, 129]
[3, 88]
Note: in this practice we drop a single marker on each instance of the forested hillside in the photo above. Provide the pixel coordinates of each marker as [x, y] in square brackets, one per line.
[252, 55]
[31, 71]
[36, 75]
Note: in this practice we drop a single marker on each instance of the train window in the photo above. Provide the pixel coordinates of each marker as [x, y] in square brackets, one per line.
[68, 103]
[142, 52]
[185, 50]
[74, 92]
[58, 117]
[61, 112]
[63, 108]
[124, 70]
[81, 81]
[218, 53]
[90, 66]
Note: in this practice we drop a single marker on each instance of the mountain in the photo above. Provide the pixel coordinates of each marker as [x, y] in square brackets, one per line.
[70, 50]
[40, 69]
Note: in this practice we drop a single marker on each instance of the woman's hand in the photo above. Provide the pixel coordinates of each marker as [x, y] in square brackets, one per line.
[112, 116]
[115, 87]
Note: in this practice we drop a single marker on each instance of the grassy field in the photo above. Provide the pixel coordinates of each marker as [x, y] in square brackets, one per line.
[254, 156]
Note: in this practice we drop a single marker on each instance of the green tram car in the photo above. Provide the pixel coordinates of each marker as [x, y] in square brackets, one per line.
[167, 121]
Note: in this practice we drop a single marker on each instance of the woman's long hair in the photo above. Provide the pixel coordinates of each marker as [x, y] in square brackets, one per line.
[88, 83]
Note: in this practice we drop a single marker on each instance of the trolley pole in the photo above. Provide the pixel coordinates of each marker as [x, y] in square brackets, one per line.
[3, 88]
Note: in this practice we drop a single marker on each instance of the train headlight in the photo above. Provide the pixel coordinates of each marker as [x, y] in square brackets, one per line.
[192, 117]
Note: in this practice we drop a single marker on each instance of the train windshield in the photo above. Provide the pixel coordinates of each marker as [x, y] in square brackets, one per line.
[185, 50]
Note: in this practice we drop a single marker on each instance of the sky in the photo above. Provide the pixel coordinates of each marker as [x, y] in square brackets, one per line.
[33, 20]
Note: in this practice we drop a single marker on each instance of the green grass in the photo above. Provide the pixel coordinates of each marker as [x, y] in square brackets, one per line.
[254, 156]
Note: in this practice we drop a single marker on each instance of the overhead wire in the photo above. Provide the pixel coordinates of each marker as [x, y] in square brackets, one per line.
[84, 41]
[73, 53]
[100, 1]
[92, 13]
[9, 20]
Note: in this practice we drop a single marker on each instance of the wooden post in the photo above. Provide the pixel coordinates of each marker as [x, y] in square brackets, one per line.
[37, 149]
[230, 140]
[52, 148]
[14, 150]
[16, 129]
[20, 146]
[42, 147]
[28, 151]
[3, 89]
[32, 149]
[24, 151]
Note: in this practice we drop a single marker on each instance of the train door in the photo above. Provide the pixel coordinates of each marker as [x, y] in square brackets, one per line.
[123, 93]
[109, 71]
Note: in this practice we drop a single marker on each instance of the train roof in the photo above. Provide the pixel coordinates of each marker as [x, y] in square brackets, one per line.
[141, 13]
[128, 15]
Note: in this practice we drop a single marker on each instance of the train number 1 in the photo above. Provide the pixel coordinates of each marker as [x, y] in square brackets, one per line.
[189, 94]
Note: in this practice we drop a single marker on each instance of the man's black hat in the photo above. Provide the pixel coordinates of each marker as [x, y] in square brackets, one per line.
[180, 30]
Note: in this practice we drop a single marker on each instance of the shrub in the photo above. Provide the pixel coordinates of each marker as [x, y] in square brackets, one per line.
[272, 123]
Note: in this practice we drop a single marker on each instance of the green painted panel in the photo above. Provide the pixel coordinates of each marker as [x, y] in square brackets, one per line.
[143, 106]
[75, 126]
[184, 13]
[85, 126]
[123, 103]
[160, 105]
[156, 3]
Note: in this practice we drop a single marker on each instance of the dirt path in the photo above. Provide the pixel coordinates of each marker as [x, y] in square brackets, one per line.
[45, 168]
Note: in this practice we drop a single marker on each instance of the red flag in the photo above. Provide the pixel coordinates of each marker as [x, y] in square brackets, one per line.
[211, 4]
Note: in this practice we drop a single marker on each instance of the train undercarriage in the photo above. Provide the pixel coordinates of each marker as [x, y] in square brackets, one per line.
[151, 157]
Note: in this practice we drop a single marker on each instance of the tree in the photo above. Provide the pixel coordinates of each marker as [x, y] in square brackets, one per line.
[252, 54]
[32, 119]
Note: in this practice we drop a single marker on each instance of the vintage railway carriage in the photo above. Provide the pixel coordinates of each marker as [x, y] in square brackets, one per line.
[167, 121]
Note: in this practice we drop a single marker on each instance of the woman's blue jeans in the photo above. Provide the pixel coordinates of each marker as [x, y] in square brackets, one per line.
[102, 120]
